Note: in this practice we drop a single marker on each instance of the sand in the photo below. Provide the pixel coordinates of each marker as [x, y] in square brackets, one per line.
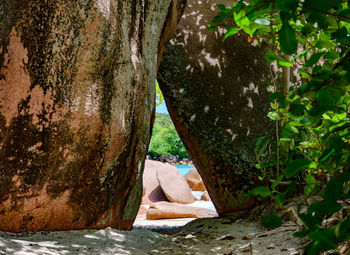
[201, 236]
[241, 234]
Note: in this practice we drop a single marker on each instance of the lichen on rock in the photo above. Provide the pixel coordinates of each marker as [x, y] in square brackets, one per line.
[217, 99]
[76, 100]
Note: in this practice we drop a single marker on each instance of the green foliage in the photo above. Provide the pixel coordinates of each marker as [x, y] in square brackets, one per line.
[159, 95]
[313, 141]
[165, 140]
[272, 221]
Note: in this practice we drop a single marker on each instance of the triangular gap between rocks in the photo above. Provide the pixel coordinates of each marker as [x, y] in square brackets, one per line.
[173, 191]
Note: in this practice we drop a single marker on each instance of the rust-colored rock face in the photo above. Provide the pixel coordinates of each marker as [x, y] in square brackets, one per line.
[76, 98]
[217, 98]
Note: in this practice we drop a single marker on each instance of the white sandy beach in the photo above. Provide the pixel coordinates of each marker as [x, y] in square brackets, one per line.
[201, 236]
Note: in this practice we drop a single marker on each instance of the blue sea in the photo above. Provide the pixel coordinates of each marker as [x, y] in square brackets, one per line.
[183, 169]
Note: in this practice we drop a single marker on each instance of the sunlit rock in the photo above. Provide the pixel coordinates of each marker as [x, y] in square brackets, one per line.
[166, 210]
[76, 100]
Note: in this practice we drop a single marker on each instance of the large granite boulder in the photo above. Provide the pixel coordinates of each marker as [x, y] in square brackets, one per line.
[194, 180]
[152, 190]
[216, 93]
[76, 99]
[165, 210]
[174, 185]
[205, 196]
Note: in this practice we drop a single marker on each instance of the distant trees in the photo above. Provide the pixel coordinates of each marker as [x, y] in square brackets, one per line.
[165, 140]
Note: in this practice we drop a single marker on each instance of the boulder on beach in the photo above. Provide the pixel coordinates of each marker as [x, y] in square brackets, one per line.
[174, 185]
[152, 192]
[165, 210]
[194, 180]
[205, 196]
[142, 210]
[168, 159]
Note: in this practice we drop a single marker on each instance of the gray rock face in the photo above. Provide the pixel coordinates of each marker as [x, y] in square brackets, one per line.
[76, 99]
[217, 99]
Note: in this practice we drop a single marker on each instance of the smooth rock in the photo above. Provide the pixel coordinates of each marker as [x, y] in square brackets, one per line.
[174, 185]
[165, 210]
[142, 210]
[205, 196]
[194, 180]
[152, 190]
[76, 101]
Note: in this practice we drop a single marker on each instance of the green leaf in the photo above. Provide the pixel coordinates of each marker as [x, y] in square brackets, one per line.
[231, 31]
[222, 7]
[291, 188]
[310, 185]
[322, 5]
[303, 233]
[343, 231]
[261, 191]
[297, 109]
[297, 166]
[324, 240]
[333, 189]
[273, 116]
[276, 95]
[270, 57]
[309, 220]
[264, 22]
[280, 98]
[324, 208]
[283, 139]
[319, 110]
[314, 59]
[283, 62]
[340, 34]
[324, 98]
[277, 181]
[237, 6]
[281, 198]
[272, 221]
[336, 143]
[326, 154]
[288, 39]
[286, 5]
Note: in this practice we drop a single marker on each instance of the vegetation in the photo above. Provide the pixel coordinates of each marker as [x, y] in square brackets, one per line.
[165, 140]
[312, 143]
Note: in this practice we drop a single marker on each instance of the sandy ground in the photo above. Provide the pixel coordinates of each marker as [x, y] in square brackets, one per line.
[202, 236]
[222, 236]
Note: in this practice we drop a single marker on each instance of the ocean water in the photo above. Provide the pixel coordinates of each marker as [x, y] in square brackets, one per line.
[183, 169]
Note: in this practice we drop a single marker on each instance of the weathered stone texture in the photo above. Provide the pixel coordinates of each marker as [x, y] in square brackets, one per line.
[217, 98]
[76, 98]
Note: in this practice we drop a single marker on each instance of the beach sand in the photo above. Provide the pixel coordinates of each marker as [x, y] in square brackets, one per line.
[201, 236]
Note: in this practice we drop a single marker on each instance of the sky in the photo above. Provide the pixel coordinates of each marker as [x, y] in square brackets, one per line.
[162, 108]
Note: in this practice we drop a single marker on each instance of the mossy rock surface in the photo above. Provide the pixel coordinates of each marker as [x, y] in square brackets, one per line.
[217, 98]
